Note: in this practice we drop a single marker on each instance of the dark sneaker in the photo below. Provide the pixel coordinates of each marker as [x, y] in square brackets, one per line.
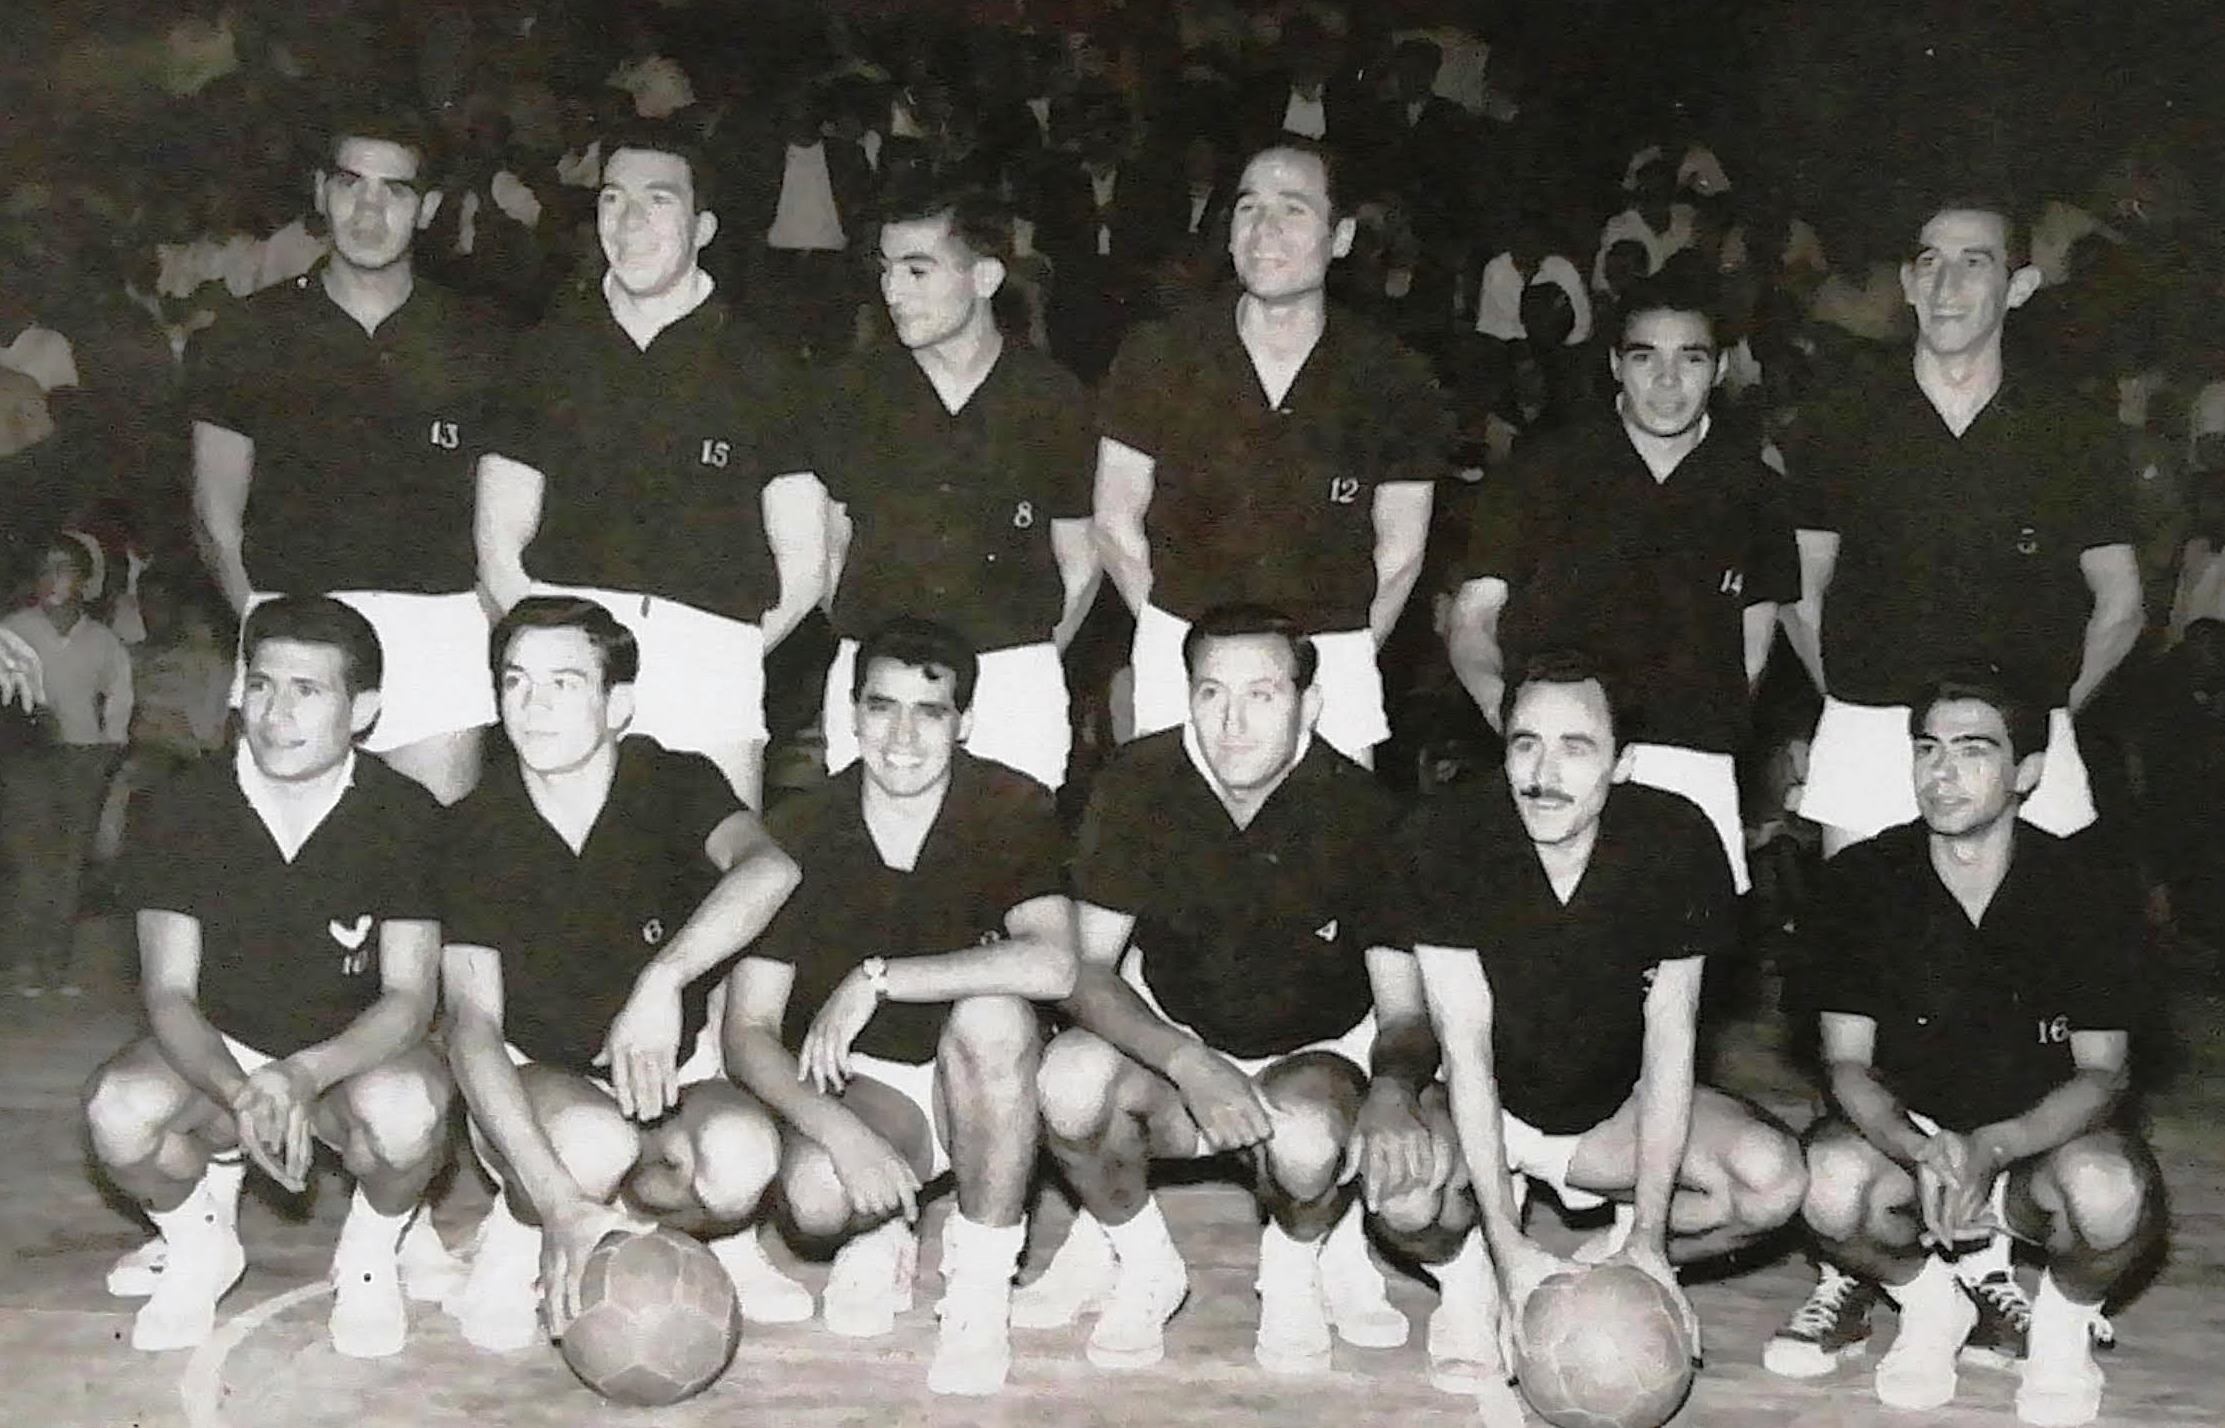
[2004, 1322]
[1832, 1326]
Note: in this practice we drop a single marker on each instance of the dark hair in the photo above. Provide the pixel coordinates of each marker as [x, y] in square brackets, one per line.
[320, 620]
[977, 219]
[1985, 682]
[1312, 148]
[1680, 286]
[923, 645]
[664, 137]
[2015, 232]
[389, 124]
[614, 644]
[1563, 666]
[80, 559]
[1228, 622]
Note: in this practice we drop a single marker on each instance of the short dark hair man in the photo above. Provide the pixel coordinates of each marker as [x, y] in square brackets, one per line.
[1978, 980]
[1653, 538]
[1230, 1000]
[1272, 449]
[333, 423]
[593, 885]
[289, 942]
[653, 456]
[1562, 919]
[886, 1016]
[961, 466]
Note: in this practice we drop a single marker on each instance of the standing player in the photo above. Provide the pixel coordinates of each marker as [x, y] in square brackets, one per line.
[885, 1015]
[289, 947]
[332, 421]
[653, 452]
[591, 887]
[1965, 510]
[1239, 860]
[1561, 920]
[1977, 981]
[1270, 448]
[962, 467]
[1658, 540]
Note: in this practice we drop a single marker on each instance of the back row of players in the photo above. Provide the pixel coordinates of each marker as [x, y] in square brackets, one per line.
[662, 463]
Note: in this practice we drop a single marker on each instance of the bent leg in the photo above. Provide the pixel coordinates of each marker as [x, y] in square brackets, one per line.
[2095, 1205]
[589, 1134]
[1105, 1119]
[986, 1071]
[705, 1168]
[151, 1131]
[1741, 1177]
[1313, 1101]
[818, 1203]
[390, 1125]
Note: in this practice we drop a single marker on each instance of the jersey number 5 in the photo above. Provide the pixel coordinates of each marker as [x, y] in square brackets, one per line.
[1344, 490]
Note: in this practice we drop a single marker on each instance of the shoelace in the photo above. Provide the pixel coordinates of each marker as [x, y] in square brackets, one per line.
[2006, 1298]
[1824, 1306]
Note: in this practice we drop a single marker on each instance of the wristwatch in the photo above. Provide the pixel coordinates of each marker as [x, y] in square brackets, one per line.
[876, 976]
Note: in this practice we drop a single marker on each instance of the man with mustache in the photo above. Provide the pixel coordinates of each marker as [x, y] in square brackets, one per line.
[1658, 538]
[1561, 918]
[653, 455]
[333, 419]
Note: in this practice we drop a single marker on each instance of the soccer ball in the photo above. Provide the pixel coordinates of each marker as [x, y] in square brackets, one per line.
[1604, 1348]
[658, 1319]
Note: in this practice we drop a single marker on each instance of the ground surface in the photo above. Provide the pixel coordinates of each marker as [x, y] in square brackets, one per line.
[65, 1362]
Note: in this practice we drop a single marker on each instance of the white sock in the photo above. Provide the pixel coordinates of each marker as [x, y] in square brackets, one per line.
[196, 1216]
[1144, 1238]
[986, 1252]
[369, 1230]
[1465, 1258]
[224, 1177]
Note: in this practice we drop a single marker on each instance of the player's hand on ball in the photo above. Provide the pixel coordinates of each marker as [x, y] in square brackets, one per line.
[271, 1113]
[879, 1181]
[1652, 1262]
[572, 1232]
[1222, 1100]
[824, 1060]
[1394, 1148]
[642, 1048]
[1521, 1271]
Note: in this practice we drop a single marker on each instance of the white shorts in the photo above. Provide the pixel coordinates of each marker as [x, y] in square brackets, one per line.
[702, 684]
[1352, 716]
[1861, 773]
[1019, 711]
[1709, 780]
[1356, 1045]
[1534, 1155]
[1997, 1199]
[917, 1085]
[434, 651]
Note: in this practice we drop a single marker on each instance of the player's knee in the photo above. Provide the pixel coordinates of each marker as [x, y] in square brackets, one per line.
[402, 1113]
[987, 1040]
[817, 1203]
[125, 1109]
[1306, 1154]
[1411, 1213]
[1769, 1177]
[1835, 1204]
[1075, 1085]
[597, 1144]
[2104, 1193]
[737, 1153]
[1313, 1085]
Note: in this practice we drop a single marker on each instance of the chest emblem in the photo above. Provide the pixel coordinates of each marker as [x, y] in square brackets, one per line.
[352, 937]
[2027, 541]
[1327, 931]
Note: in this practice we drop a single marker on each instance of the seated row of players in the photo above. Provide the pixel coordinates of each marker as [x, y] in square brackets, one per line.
[898, 930]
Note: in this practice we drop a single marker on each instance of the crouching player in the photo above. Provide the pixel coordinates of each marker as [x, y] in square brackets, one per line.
[289, 949]
[1561, 919]
[1238, 857]
[886, 1015]
[591, 886]
[1976, 979]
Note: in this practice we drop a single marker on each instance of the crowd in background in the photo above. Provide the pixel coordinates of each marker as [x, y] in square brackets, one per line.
[1500, 215]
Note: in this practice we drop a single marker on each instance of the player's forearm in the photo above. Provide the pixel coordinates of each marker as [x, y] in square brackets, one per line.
[1759, 633]
[504, 521]
[219, 549]
[737, 908]
[760, 1065]
[1032, 967]
[1664, 1126]
[1472, 646]
[1126, 554]
[2111, 632]
[1105, 1006]
[1474, 1096]
[193, 1047]
[1803, 623]
[495, 1095]
[1396, 573]
[2081, 1105]
[1405, 1055]
[392, 1025]
[1875, 1112]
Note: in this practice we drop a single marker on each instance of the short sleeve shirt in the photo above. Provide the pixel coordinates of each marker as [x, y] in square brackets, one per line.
[952, 513]
[288, 949]
[1652, 577]
[995, 845]
[574, 930]
[1270, 503]
[1974, 1022]
[363, 442]
[1568, 981]
[1952, 547]
[656, 461]
[1255, 938]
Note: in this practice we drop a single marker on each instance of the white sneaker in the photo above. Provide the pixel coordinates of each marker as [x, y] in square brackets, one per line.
[871, 1282]
[1077, 1281]
[369, 1319]
[138, 1270]
[1131, 1327]
[973, 1346]
[1463, 1336]
[1293, 1317]
[2059, 1384]
[204, 1261]
[1359, 1300]
[767, 1295]
[430, 1271]
[498, 1305]
[1918, 1372]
